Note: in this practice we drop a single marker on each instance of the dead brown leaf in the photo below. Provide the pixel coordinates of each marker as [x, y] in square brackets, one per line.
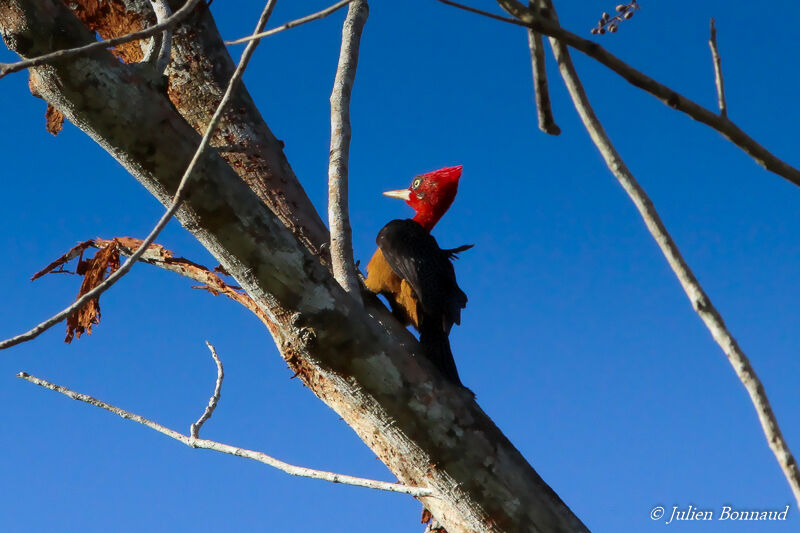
[67, 257]
[104, 263]
[106, 260]
[55, 120]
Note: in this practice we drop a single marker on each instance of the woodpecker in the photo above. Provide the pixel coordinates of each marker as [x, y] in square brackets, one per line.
[414, 274]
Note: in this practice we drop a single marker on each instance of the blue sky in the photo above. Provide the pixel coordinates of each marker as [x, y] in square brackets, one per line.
[577, 339]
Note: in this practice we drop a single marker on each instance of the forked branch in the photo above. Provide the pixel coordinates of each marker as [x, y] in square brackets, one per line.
[541, 92]
[205, 444]
[194, 430]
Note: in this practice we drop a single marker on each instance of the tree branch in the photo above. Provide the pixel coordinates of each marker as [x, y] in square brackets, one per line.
[544, 111]
[672, 98]
[159, 256]
[694, 291]
[191, 440]
[344, 270]
[177, 199]
[289, 25]
[194, 429]
[712, 43]
[483, 13]
[159, 50]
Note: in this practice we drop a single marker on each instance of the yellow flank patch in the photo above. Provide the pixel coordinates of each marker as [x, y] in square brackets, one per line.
[381, 279]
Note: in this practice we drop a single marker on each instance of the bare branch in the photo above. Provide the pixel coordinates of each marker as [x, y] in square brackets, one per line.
[712, 43]
[697, 296]
[541, 92]
[484, 13]
[179, 15]
[176, 200]
[232, 450]
[672, 98]
[344, 270]
[289, 25]
[544, 112]
[160, 45]
[194, 430]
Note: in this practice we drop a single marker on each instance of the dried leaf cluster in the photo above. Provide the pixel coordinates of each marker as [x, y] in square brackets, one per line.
[106, 260]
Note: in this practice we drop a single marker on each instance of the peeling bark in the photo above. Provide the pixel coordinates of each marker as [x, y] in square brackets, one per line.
[359, 361]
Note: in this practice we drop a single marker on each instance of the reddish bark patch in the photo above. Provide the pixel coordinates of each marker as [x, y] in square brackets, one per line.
[426, 516]
[55, 120]
[109, 18]
[155, 251]
[433, 525]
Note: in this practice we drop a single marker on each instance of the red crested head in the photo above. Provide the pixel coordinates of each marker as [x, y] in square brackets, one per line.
[430, 194]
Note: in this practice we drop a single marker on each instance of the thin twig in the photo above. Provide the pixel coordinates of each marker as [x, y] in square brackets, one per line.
[205, 444]
[158, 52]
[697, 296]
[484, 13]
[179, 15]
[712, 43]
[194, 429]
[544, 111]
[173, 208]
[289, 25]
[344, 270]
[672, 98]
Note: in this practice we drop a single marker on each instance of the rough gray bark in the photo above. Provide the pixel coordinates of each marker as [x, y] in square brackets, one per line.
[362, 364]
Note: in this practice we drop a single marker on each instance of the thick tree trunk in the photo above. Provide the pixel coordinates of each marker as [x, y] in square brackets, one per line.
[359, 361]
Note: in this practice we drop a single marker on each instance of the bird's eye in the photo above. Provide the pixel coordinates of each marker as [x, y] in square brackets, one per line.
[416, 183]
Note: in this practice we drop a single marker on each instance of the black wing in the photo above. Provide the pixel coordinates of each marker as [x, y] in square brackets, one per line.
[415, 256]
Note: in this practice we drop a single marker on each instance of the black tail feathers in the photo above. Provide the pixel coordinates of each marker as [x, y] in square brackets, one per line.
[452, 253]
[436, 347]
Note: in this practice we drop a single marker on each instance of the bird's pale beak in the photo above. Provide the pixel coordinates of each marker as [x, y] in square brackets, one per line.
[402, 194]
